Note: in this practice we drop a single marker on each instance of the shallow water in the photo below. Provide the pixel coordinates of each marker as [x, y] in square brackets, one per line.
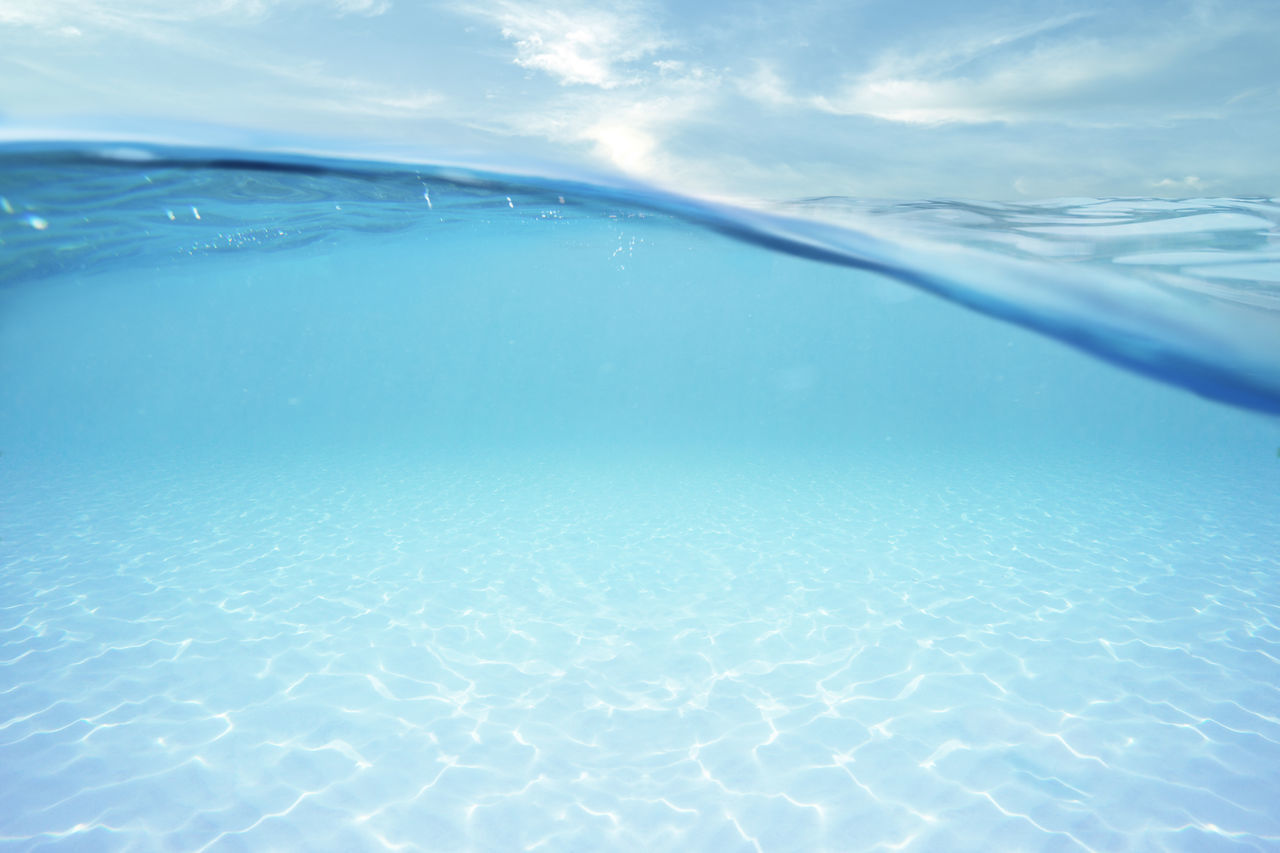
[334, 519]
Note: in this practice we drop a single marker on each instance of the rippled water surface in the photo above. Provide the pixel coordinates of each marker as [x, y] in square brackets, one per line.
[355, 507]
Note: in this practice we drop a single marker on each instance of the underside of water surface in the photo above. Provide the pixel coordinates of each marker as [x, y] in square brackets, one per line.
[417, 510]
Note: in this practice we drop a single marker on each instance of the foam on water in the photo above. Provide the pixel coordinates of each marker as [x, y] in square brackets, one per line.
[372, 508]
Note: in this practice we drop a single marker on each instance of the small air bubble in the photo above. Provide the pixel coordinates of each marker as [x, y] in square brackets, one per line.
[5, 206]
[195, 211]
[36, 222]
[169, 213]
[509, 204]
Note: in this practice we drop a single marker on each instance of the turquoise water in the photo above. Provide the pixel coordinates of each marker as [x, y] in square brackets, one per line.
[352, 506]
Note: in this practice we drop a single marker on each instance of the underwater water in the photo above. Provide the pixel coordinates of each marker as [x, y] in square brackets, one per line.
[355, 506]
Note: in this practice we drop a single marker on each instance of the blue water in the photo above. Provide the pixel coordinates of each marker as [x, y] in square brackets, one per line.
[358, 506]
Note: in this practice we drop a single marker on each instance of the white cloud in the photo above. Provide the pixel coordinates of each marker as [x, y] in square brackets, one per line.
[1045, 71]
[1190, 182]
[33, 13]
[1035, 85]
[577, 44]
[624, 97]
[307, 83]
[766, 86]
[958, 50]
[72, 17]
[362, 7]
[925, 85]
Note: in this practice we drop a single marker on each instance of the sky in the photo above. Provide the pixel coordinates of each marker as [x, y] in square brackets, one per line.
[891, 99]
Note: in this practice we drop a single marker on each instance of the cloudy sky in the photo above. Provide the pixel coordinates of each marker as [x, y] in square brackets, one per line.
[884, 98]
